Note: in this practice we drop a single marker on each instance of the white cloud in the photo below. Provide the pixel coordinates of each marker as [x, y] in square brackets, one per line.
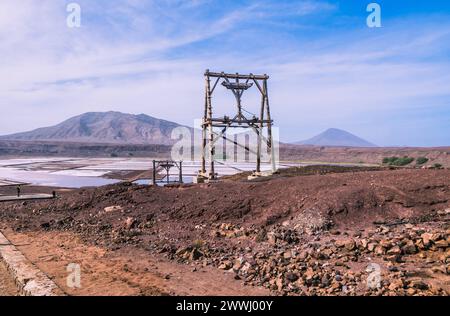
[123, 59]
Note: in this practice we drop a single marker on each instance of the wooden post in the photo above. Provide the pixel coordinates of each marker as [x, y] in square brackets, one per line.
[181, 172]
[154, 172]
[210, 129]
[167, 172]
[269, 128]
[205, 117]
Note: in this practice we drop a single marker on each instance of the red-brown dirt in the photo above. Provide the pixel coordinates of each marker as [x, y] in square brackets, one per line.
[213, 225]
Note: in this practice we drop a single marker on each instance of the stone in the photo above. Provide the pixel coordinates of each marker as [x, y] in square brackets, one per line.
[394, 251]
[115, 208]
[392, 268]
[419, 244]
[394, 258]
[279, 283]
[225, 265]
[326, 281]
[309, 274]
[195, 254]
[435, 237]
[363, 243]
[441, 244]
[181, 251]
[379, 250]
[261, 236]
[396, 284]
[385, 244]
[336, 285]
[291, 277]
[371, 246]
[410, 291]
[429, 260]
[246, 268]
[410, 248]
[439, 269]
[350, 245]
[271, 238]
[238, 263]
[418, 284]
[287, 254]
[226, 226]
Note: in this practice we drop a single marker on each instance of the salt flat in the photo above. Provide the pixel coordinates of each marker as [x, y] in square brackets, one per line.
[79, 172]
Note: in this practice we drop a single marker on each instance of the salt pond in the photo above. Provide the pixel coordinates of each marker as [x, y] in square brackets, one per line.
[83, 172]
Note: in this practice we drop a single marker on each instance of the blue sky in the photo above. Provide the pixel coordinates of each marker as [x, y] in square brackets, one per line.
[389, 85]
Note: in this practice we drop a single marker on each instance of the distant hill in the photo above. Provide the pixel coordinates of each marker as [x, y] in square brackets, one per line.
[336, 137]
[104, 127]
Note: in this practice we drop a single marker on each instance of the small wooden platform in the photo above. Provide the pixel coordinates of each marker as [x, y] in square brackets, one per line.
[25, 197]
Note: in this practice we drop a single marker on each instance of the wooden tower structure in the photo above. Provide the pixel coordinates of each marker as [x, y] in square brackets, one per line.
[236, 84]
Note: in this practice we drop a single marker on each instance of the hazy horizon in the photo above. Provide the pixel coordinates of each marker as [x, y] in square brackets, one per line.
[328, 69]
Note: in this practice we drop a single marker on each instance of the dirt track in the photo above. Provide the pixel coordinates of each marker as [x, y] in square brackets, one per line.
[230, 224]
[7, 286]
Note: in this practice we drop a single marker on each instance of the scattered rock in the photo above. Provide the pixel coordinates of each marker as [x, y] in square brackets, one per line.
[418, 284]
[130, 223]
[271, 238]
[441, 244]
[115, 208]
[291, 277]
[409, 248]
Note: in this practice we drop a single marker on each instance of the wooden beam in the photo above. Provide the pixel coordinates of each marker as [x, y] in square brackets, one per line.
[235, 76]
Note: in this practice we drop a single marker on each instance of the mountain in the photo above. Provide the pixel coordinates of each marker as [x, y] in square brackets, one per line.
[104, 127]
[336, 137]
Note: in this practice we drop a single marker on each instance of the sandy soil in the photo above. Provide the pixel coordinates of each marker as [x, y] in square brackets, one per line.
[127, 272]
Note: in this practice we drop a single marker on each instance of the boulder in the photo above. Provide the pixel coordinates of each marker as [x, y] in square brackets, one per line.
[418, 284]
[394, 251]
[409, 248]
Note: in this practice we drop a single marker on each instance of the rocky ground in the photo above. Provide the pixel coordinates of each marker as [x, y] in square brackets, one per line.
[308, 232]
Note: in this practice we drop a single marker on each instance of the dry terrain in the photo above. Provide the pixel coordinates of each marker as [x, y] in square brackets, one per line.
[7, 286]
[308, 231]
[21, 149]
[374, 155]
